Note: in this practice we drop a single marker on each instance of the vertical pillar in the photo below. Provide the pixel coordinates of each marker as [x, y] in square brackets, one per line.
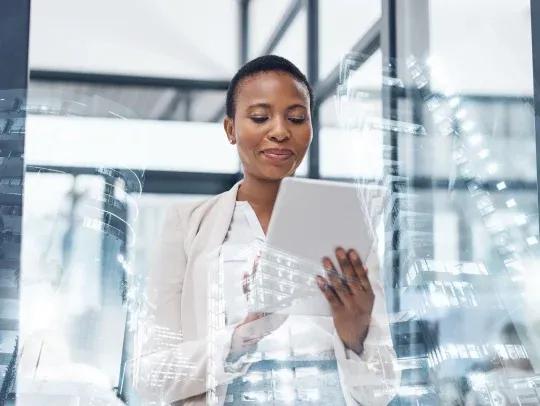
[404, 35]
[390, 112]
[312, 8]
[243, 38]
[14, 33]
[535, 26]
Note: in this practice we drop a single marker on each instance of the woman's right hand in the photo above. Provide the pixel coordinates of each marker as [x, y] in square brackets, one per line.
[254, 327]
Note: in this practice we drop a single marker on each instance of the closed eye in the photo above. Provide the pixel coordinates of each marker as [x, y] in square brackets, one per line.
[259, 119]
[297, 120]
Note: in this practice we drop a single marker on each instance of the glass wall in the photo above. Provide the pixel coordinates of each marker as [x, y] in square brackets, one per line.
[438, 114]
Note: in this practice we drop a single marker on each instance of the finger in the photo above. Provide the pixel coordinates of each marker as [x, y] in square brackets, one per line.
[337, 281]
[360, 270]
[356, 280]
[353, 281]
[329, 293]
[345, 264]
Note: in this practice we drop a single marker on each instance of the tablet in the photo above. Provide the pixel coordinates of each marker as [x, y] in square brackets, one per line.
[309, 220]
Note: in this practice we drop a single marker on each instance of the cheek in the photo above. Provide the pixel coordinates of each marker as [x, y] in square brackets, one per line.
[248, 141]
[304, 139]
[247, 144]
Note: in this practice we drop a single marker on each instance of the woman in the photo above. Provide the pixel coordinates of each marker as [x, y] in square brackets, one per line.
[197, 340]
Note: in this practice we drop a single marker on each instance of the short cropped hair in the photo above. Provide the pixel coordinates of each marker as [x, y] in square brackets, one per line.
[265, 63]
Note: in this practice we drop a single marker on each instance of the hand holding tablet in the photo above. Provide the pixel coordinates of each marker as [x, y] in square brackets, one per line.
[310, 220]
[350, 296]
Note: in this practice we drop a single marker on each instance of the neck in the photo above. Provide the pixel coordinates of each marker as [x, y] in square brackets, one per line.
[260, 193]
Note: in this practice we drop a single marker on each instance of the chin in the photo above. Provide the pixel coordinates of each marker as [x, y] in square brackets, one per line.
[277, 175]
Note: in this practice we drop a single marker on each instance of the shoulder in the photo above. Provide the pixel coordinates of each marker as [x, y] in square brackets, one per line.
[185, 212]
[188, 216]
[186, 220]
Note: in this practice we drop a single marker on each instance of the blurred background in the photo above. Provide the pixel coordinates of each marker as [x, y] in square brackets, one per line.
[122, 116]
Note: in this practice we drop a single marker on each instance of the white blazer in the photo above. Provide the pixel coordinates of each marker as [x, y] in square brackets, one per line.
[177, 356]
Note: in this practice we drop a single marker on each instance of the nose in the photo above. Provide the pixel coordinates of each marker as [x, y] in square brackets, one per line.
[279, 131]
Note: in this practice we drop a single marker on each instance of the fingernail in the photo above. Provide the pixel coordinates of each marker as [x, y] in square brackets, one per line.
[353, 254]
[340, 253]
[327, 264]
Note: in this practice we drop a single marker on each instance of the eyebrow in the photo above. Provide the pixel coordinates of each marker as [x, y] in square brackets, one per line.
[266, 105]
[296, 105]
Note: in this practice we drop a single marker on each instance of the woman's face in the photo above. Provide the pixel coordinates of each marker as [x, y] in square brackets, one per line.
[272, 124]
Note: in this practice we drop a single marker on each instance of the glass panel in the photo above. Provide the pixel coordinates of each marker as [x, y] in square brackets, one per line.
[448, 145]
[347, 151]
[293, 45]
[473, 69]
[461, 244]
[264, 17]
[133, 144]
[76, 235]
[74, 284]
[353, 17]
[146, 39]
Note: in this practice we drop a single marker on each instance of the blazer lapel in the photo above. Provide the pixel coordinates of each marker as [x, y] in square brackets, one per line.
[203, 263]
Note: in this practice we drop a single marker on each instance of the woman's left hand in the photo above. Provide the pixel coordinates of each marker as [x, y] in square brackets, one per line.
[350, 296]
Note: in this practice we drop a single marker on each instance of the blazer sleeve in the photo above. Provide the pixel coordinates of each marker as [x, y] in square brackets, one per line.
[167, 368]
[373, 377]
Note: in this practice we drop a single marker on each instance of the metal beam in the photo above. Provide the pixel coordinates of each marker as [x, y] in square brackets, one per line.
[243, 48]
[313, 77]
[172, 106]
[413, 41]
[14, 38]
[366, 47]
[286, 20]
[210, 183]
[535, 27]
[427, 183]
[388, 43]
[128, 80]
[188, 182]
[166, 182]
[443, 184]
[183, 98]
[206, 183]
[14, 24]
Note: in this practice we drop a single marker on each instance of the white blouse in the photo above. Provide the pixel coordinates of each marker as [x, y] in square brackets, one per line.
[368, 379]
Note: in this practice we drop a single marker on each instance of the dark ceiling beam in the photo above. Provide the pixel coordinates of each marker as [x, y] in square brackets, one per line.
[365, 47]
[156, 181]
[128, 80]
[207, 183]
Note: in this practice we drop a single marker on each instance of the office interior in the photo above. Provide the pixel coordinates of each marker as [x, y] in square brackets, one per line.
[112, 111]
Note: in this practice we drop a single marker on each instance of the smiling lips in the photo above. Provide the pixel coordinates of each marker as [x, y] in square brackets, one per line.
[277, 154]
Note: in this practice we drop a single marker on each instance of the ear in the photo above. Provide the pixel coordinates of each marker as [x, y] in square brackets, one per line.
[228, 125]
